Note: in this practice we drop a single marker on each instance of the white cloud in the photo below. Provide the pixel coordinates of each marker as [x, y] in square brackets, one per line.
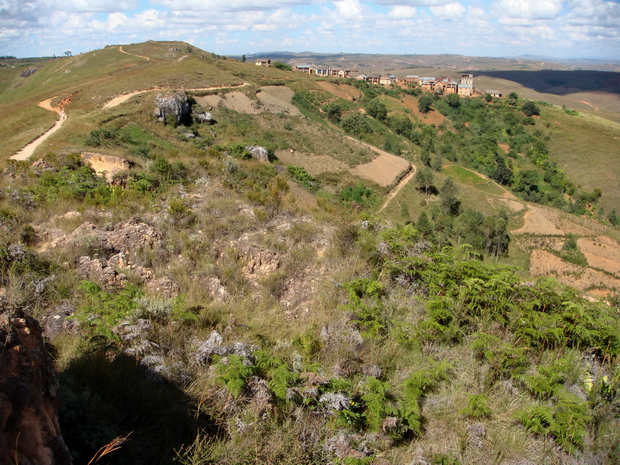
[420, 3]
[16, 12]
[84, 6]
[350, 10]
[452, 10]
[228, 5]
[528, 9]
[402, 12]
[595, 13]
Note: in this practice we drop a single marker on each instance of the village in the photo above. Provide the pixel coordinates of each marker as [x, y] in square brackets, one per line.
[441, 85]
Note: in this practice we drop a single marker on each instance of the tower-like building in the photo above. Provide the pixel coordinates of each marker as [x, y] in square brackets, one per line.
[466, 85]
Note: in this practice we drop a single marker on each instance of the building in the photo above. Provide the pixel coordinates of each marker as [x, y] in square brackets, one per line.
[466, 85]
[494, 93]
[428, 84]
[387, 80]
[373, 78]
[306, 69]
[263, 63]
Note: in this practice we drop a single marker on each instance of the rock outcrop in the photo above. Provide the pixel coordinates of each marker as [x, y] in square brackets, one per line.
[204, 117]
[29, 429]
[29, 72]
[127, 237]
[259, 153]
[106, 164]
[172, 105]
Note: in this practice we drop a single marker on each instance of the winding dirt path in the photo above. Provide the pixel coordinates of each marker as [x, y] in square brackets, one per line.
[29, 149]
[123, 98]
[590, 104]
[402, 183]
[120, 49]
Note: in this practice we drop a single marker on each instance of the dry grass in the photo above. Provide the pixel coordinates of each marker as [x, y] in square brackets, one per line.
[586, 148]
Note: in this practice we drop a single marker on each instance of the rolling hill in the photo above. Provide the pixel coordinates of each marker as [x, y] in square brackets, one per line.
[251, 264]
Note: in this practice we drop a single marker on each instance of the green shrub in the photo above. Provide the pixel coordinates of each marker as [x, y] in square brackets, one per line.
[232, 373]
[477, 407]
[302, 177]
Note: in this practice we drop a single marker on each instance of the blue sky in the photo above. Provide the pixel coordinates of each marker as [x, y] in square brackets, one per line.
[554, 28]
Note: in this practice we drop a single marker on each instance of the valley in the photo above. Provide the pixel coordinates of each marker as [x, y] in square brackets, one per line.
[235, 263]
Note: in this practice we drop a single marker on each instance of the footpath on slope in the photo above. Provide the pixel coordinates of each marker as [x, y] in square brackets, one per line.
[123, 98]
[402, 183]
[120, 49]
[29, 149]
[26, 152]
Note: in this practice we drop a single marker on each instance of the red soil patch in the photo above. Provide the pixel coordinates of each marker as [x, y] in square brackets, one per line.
[546, 264]
[313, 164]
[602, 253]
[505, 147]
[384, 170]
[432, 117]
[334, 90]
[538, 221]
[106, 164]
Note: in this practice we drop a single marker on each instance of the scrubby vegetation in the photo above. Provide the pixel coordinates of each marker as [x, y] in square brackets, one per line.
[237, 324]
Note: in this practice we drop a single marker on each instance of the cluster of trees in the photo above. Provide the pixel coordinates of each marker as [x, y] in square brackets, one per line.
[448, 224]
[470, 136]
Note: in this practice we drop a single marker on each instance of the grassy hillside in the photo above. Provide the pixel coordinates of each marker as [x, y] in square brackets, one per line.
[305, 310]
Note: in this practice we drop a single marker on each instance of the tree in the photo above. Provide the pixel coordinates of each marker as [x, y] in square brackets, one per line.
[424, 179]
[401, 125]
[68, 53]
[425, 102]
[283, 66]
[449, 202]
[356, 124]
[334, 112]
[502, 174]
[376, 109]
[424, 226]
[242, 58]
[496, 234]
[529, 108]
[614, 218]
[425, 157]
[454, 100]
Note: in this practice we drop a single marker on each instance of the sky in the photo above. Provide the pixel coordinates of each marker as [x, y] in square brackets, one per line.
[493, 28]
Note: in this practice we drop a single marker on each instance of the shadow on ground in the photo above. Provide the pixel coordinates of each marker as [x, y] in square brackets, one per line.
[561, 82]
[104, 397]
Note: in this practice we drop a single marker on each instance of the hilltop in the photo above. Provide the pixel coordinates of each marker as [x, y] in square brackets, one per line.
[240, 264]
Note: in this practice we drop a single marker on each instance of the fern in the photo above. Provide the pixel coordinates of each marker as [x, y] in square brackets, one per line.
[536, 419]
[477, 407]
[233, 373]
[376, 403]
[281, 379]
[415, 388]
[278, 372]
[571, 421]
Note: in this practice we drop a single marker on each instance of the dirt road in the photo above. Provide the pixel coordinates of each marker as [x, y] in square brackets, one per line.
[402, 183]
[123, 98]
[29, 149]
[120, 49]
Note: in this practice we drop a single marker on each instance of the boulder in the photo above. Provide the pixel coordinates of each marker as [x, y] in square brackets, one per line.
[165, 287]
[56, 323]
[204, 117]
[172, 105]
[260, 153]
[29, 72]
[98, 271]
[29, 428]
[40, 166]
